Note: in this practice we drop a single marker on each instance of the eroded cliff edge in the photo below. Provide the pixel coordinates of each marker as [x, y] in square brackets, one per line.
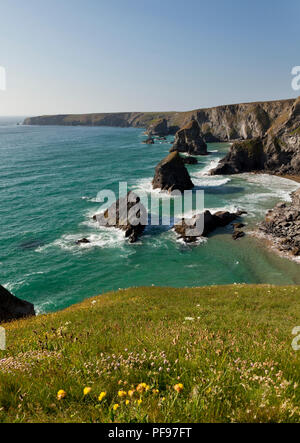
[222, 123]
[277, 151]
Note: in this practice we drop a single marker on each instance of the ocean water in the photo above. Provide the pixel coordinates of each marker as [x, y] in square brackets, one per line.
[49, 181]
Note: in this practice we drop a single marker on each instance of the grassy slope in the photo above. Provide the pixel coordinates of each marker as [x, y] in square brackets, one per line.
[235, 359]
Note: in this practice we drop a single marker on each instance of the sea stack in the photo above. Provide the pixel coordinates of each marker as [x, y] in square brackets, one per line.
[171, 174]
[189, 139]
[209, 223]
[159, 128]
[127, 214]
[12, 308]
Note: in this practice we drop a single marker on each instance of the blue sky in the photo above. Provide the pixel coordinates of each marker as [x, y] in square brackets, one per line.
[71, 56]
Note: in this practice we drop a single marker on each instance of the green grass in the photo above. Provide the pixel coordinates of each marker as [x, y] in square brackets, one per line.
[234, 359]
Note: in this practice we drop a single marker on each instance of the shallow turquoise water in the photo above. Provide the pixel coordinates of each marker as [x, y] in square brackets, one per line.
[49, 180]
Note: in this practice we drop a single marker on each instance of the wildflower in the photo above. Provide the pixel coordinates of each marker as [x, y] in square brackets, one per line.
[142, 387]
[130, 393]
[155, 391]
[139, 402]
[116, 407]
[87, 391]
[127, 402]
[179, 388]
[102, 396]
[61, 394]
[122, 394]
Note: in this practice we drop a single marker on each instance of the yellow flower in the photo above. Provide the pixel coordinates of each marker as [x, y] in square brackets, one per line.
[130, 394]
[155, 391]
[102, 396]
[179, 388]
[122, 394]
[142, 387]
[127, 402]
[61, 394]
[87, 391]
[116, 407]
[139, 402]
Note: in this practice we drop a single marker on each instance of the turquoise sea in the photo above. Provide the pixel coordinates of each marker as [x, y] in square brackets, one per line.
[49, 181]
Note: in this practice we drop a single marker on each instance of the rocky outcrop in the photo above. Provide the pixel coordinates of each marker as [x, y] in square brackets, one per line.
[189, 160]
[277, 152]
[189, 140]
[282, 224]
[149, 141]
[159, 128]
[209, 223]
[171, 174]
[127, 214]
[12, 308]
[243, 156]
[83, 241]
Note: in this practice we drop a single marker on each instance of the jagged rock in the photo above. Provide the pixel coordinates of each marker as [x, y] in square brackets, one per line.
[190, 160]
[238, 234]
[189, 139]
[171, 174]
[128, 214]
[159, 128]
[237, 226]
[12, 308]
[210, 223]
[83, 241]
[149, 141]
[243, 156]
[283, 224]
[278, 151]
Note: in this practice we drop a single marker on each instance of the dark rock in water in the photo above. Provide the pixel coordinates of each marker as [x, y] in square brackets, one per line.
[171, 174]
[190, 160]
[189, 139]
[159, 128]
[83, 241]
[31, 244]
[238, 234]
[276, 151]
[12, 308]
[283, 225]
[127, 214]
[244, 156]
[149, 141]
[209, 223]
[238, 226]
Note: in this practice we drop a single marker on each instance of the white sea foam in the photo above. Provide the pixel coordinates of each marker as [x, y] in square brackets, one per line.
[210, 182]
[198, 241]
[278, 186]
[104, 238]
[144, 185]
[209, 167]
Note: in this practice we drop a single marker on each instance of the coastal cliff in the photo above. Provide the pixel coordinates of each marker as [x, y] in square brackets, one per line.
[277, 151]
[217, 124]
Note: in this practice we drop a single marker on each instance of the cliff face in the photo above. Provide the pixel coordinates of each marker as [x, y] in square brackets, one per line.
[189, 139]
[277, 150]
[222, 123]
